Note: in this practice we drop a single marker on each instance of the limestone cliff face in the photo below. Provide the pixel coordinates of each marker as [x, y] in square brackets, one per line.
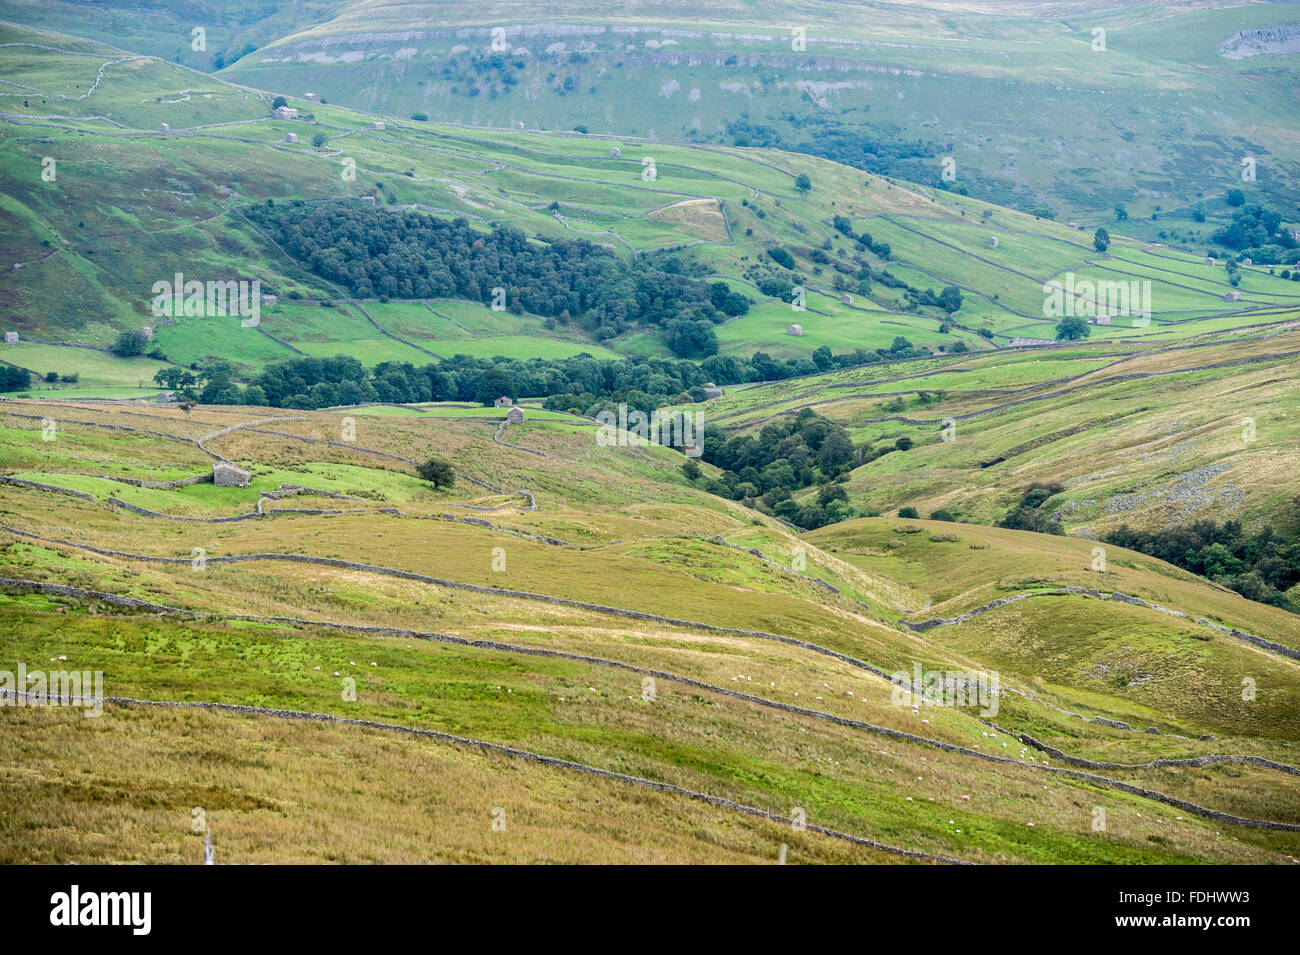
[1283, 38]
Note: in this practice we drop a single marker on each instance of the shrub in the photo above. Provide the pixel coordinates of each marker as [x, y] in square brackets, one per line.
[1028, 514]
[437, 472]
[781, 257]
[130, 343]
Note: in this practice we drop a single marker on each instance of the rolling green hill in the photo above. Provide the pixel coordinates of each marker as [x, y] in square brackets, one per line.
[1154, 434]
[585, 629]
[1159, 119]
[585, 650]
[130, 205]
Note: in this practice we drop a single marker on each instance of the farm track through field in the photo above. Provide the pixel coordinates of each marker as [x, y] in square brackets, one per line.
[883, 731]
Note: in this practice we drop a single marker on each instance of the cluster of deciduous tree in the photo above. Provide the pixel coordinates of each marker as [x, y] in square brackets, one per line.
[1260, 566]
[1257, 232]
[580, 384]
[844, 225]
[1029, 515]
[387, 253]
[879, 148]
[787, 455]
[14, 379]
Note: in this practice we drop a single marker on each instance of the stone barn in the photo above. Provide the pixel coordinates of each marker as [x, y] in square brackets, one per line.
[225, 474]
[503, 402]
[1233, 296]
[993, 242]
[712, 391]
[285, 112]
[515, 415]
[795, 330]
[11, 338]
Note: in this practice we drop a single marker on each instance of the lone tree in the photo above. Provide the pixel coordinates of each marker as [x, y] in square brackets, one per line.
[1101, 240]
[802, 182]
[130, 343]
[437, 472]
[1072, 328]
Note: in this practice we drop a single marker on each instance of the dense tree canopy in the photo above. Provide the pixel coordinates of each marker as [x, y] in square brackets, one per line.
[1260, 566]
[389, 253]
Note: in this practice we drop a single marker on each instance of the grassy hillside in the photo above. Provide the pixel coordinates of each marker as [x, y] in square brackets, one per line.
[893, 87]
[1152, 434]
[577, 652]
[740, 714]
[130, 206]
